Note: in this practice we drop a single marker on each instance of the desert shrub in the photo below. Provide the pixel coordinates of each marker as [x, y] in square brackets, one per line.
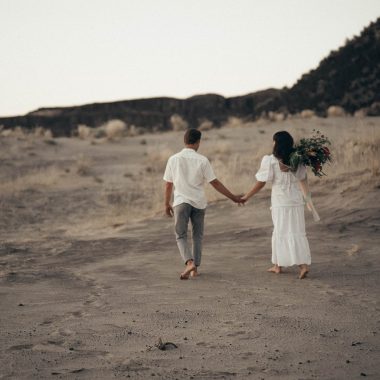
[178, 123]
[133, 130]
[374, 109]
[99, 132]
[361, 113]
[115, 129]
[83, 165]
[276, 116]
[306, 114]
[84, 132]
[235, 122]
[206, 125]
[335, 111]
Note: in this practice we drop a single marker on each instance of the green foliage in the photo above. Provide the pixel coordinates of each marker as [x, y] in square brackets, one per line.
[312, 152]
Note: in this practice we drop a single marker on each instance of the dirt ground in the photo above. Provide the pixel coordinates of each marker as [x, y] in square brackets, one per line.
[89, 268]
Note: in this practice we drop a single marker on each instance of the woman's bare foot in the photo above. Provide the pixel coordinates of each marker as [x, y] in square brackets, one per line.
[275, 269]
[190, 267]
[194, 273]
[304, 270]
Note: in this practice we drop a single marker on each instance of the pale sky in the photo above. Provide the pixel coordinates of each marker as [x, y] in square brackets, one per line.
[71, 52]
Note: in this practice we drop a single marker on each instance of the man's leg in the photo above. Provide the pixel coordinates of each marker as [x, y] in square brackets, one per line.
[197, 220]
[181, 220]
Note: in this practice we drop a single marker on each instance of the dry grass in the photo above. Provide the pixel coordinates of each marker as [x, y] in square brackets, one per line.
[37, 179]
[236, 153]
[83, 165]
[156, 158]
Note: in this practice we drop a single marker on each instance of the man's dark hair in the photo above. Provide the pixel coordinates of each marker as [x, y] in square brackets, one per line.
[192, 136]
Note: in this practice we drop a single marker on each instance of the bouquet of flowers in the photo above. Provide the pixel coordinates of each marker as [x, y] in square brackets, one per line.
[312, 152]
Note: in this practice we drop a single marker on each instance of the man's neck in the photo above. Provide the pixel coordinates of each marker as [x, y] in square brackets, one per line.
[191, 146]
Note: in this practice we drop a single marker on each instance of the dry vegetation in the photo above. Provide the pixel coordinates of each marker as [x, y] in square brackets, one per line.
[121, 183]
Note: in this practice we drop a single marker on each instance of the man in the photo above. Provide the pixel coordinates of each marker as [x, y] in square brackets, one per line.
[187, 171]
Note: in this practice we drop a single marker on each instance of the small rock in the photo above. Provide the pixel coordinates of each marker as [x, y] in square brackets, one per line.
[20, 304]
[363, 374]
[348, 361]
[165, 346]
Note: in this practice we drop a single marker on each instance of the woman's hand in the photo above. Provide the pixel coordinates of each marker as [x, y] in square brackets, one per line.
[245, 198]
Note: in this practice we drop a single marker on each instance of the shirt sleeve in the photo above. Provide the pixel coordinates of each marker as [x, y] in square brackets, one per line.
[265, 172]
[168, 175]
[208, 172]
[301, 172]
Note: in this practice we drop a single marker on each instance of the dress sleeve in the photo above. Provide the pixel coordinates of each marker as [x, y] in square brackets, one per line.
[301, 172]
[208, 173]
[168, 176]
[265, 172]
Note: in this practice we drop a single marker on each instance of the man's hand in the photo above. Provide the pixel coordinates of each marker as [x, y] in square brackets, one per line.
[238, 199]
[169, 210]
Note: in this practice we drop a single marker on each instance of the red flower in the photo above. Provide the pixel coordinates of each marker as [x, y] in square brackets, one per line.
[326, 151]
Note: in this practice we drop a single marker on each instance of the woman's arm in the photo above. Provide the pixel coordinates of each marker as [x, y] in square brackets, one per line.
[258, 186]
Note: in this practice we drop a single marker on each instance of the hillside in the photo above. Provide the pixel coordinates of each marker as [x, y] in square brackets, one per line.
[348, 77]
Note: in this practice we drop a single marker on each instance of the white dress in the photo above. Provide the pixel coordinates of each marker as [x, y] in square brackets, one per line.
[289, 242]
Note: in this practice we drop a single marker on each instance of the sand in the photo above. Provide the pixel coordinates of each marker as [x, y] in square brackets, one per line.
[89, 269]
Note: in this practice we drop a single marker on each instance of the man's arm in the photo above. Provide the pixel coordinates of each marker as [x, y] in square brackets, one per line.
[218, 186]
[168, 196]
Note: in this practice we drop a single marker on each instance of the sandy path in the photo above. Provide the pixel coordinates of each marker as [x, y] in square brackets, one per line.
[85, 292]
[91, 309]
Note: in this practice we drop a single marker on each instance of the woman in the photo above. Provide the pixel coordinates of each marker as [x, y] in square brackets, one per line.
[289, 242]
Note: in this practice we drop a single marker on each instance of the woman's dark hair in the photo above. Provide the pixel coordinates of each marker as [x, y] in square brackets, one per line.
[192, 136]
[283, 146]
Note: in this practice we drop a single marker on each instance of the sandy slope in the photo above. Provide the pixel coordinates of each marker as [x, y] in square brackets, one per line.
[89, 284]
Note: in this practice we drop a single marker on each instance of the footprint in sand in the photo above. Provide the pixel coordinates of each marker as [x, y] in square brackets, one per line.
[21, 347]
[62, 332]
[353, 250]
[236, 333]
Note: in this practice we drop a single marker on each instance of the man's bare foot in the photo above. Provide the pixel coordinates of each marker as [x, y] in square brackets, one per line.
[303, 272]
[275, 269]
[194, 273]
[190, 267]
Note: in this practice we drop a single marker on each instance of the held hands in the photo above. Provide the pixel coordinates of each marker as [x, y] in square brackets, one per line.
[169, 210]
[244, 198]
[238, 199]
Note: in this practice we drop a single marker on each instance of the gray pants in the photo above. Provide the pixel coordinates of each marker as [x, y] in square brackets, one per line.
[182, 214]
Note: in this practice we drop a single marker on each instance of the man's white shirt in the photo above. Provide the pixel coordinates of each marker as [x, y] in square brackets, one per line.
[189, 171]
